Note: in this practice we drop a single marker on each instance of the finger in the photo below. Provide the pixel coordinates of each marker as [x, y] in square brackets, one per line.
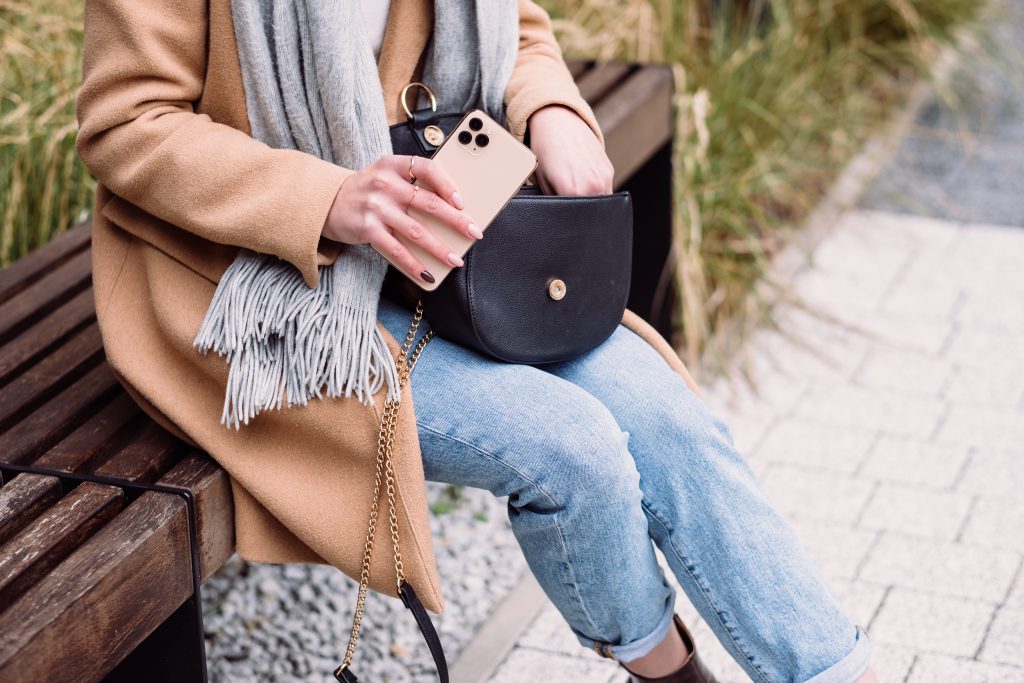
[384, 242]
[437, 179]
[430, 203]
[419, 234]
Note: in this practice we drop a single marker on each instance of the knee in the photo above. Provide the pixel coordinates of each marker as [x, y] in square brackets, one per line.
[584, 455]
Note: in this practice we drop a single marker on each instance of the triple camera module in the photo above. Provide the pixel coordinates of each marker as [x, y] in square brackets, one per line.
[465, 137]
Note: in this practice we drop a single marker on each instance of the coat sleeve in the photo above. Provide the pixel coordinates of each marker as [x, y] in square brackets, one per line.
[540, 76]
[143, 66]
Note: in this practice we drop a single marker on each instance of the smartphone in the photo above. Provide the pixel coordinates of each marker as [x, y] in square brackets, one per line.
[488, 166]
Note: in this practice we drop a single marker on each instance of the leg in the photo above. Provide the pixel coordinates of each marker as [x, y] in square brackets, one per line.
[573, 489]
[735, 557]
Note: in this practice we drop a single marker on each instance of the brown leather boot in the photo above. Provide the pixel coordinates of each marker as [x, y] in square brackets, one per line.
[693, 669]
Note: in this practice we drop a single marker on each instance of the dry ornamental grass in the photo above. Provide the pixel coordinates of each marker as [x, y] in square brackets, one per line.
[772, 99]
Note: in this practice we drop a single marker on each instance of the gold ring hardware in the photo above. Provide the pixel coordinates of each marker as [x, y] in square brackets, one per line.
[405, 105]
[556, 289]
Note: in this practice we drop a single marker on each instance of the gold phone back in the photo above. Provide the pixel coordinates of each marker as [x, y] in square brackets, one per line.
[486, 177]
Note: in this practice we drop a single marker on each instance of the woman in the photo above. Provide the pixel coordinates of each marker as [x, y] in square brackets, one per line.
[598, 455]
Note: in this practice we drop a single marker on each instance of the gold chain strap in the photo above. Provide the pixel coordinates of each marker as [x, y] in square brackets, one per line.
[385, 441]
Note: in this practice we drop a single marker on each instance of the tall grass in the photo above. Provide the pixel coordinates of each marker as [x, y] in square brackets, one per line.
[44, 187]
[773, 97]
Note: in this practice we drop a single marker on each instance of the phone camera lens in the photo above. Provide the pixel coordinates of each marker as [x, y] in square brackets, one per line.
[482, 140]
[475, 123]
[465, 137]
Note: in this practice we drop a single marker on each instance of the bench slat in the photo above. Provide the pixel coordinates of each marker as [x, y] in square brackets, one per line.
[88, 441]
[637, 119]
[45, 336]
[599, 81]
[59, 416]
[97, 605]
[149, 454]
[35, 301]
[29, 268]
[24, 498]
[41, 545]
[62, 367]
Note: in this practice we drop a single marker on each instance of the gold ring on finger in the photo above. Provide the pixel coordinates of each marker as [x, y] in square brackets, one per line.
[412, 198]
[412, 176]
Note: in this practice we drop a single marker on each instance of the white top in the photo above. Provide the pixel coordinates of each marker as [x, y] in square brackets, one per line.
[375, 17]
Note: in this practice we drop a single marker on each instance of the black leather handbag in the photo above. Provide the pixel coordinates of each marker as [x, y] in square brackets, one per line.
[549, 280]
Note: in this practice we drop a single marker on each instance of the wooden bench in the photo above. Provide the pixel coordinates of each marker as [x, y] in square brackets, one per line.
[108, 524]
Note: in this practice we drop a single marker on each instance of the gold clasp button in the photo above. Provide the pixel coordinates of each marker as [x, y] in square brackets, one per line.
[556, 289]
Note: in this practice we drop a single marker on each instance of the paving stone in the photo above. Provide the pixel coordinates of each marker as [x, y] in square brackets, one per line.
[549, 631]
[993, 473]
[837, 549]
[1000, 311]
[1004, 643]
[973, 347]
[931, 622]
[997, 522]
[891, 662]
[934, 302]
[963, 570]
[825, 351]
[982, 427]
[911, 461]
[1016, 597]
[916, 511]
[934, 668]
[527, 664]
[860, 600]
[998, 386]
[864, 408]
[901, 232]
[797, 492]
[906, 371]
[815, 445]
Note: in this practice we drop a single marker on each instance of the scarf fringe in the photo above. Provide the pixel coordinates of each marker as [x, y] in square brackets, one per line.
[287, 343]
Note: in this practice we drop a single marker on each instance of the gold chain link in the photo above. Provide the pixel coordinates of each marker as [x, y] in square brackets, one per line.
[385, 442]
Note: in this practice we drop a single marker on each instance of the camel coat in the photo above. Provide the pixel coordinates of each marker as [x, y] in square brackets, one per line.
[181, 186]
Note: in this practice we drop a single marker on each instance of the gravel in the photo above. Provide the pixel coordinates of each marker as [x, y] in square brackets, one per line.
[286, 623]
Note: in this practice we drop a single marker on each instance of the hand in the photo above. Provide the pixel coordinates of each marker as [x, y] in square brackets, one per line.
[370, 208]
[572, 160]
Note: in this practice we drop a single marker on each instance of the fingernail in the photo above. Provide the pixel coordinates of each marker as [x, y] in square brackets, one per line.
[475, 231]
[454, 259]
[427, 276]
[457, 200]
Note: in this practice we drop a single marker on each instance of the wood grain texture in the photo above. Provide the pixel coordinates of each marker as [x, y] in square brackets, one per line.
[35, 301]
[23, 498]
[103, 600]
[26, 270]
[27, 557]
[214, 506]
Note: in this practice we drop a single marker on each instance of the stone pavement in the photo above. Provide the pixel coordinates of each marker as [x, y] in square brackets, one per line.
[889, 423]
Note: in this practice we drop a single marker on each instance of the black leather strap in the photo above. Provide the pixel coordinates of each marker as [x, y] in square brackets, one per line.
[410, 600]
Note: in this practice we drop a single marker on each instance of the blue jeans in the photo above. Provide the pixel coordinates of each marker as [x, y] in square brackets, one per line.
[602, 454]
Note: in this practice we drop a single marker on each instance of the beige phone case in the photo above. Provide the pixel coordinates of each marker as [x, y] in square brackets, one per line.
[486, 177]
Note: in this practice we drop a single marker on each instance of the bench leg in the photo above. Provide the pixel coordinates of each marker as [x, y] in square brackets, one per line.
[173, 653]
[651, 187]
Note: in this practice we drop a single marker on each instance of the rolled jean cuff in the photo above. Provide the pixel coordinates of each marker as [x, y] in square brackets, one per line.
[626, 652]
[851, 667]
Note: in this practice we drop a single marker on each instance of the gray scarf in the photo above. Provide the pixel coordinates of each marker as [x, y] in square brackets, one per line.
[312, 84]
